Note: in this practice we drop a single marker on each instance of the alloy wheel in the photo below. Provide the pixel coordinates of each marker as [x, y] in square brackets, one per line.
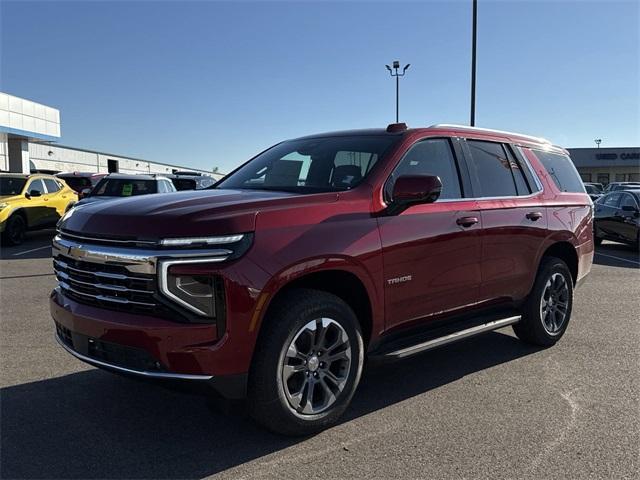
[316, 366]
[554, 304]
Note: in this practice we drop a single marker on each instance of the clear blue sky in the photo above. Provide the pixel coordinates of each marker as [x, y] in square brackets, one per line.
[212, 83]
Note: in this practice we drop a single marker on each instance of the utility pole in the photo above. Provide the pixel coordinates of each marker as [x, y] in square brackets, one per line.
[396, 66]
[473, 62]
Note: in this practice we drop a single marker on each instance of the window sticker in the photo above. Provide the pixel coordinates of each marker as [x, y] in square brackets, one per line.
[127, 189]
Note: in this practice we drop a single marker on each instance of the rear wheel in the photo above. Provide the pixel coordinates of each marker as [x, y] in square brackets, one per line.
[547, 311]
[14, 230]
[307, 364]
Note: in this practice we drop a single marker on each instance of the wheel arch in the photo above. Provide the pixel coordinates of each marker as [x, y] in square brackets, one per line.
[341, 282]
[565, 251]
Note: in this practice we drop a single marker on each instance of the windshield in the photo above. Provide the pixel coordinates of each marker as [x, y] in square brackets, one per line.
[312, 165]
[12, 185]
[120, 187]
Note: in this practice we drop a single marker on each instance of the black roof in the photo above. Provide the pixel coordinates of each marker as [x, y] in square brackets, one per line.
[135, 176]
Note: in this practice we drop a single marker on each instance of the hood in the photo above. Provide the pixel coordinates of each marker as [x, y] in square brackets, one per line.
[179, 214]
[86, 200]
[10, 198]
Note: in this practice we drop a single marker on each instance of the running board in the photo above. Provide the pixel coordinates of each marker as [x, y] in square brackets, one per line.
[453, 337]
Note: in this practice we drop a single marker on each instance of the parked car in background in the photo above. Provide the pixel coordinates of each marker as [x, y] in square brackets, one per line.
[617, 217]
[593, 192]
[321, 251]
[191, 182]
[118, 185]
[598, 186]
[81, 182]
[29, 202]
[614, 186]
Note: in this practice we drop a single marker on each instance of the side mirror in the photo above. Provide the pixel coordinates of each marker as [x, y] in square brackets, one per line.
[411, 190]
[34, 193]
[84, 192]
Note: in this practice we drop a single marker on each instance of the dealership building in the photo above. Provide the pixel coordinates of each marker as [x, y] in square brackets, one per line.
[29, 133]
[605, 165]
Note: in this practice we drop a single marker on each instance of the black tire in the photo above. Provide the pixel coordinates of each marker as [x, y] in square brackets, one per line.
[14, 230]
[532, 328]
[267, 397]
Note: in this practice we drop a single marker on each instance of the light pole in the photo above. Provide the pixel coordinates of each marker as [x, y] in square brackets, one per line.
[474, 36]
[598, 141]
[396, 66]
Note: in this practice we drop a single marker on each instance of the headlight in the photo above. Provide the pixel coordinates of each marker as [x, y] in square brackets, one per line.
[3, 206]
[199, 293]
[198, 241]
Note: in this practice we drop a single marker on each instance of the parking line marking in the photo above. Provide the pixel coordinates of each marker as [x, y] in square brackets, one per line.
[32, 250]
[619, 258]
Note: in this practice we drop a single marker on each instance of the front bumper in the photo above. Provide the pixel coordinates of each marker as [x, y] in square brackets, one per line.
[144, 346]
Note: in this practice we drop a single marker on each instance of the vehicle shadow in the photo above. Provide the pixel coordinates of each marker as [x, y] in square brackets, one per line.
[35, 245]
[98, 425]
[617, 255]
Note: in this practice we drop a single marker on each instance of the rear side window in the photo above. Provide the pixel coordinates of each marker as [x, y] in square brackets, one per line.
[561, 169]
[492, 169]
[52, 185]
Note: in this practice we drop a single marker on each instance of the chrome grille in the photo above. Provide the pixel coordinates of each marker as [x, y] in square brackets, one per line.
[110, 286]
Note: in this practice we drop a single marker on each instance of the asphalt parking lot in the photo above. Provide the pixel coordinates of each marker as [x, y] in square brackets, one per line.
[489, 407]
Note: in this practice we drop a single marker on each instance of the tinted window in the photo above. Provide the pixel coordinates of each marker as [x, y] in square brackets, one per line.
[518, 173]
[184, 183]
[612, 200]
[36, 185]
[562, 171]
[11, 185]
[118, 187]
[311, 165]
[77, 183]
[52, 185]
[628, 201]
[492, 169]
[430, 157]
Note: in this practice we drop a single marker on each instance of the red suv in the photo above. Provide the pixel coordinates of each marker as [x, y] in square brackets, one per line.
[276, 283]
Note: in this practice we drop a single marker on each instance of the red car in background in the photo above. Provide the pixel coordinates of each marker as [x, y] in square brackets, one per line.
[320, 251]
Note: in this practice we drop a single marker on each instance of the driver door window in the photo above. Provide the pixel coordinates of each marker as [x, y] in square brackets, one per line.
[430, 157]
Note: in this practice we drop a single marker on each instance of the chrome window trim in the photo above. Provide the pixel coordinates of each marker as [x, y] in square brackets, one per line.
[142, 373]
[164, 287]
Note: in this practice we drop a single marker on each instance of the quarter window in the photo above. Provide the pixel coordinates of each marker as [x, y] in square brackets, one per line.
[492, 169]
[562, 171]
[430, 157]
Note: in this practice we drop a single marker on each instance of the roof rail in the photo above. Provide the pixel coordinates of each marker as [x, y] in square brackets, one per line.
[490, 130]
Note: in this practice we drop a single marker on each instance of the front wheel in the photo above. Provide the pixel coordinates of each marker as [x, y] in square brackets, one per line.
[14, 230]
[546, 313]
[307, 363]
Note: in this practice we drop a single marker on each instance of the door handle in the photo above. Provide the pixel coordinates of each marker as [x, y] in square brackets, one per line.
[467, 221]
[534, 216]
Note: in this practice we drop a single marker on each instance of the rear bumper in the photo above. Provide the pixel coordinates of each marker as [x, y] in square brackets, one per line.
[145, 347]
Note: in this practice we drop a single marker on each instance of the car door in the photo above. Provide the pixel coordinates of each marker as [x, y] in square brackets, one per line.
[35, 207]
[56, 200]
[431, 252]
[605, 210]
[626, 220]
[514, 220]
